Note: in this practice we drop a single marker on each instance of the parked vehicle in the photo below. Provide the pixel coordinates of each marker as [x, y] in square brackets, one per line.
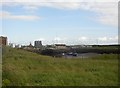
[72, 54]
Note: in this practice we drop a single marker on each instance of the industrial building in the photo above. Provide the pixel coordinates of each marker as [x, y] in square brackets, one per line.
[38, 44]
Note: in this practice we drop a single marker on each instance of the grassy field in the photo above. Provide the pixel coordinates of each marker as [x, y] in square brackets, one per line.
[22, 68]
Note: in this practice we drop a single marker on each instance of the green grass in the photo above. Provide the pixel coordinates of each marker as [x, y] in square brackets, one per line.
[22, 68]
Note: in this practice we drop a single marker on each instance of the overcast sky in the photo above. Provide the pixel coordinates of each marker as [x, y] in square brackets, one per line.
[69, 22]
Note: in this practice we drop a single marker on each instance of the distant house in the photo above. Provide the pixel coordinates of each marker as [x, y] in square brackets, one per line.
[3, 40]
[29, 47]
[60, 46]
[50, 46]
[17, 46]
[80, 46]
[89, 46]
[11, 45]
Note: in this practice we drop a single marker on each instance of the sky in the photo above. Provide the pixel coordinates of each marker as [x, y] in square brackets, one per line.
[67, 22]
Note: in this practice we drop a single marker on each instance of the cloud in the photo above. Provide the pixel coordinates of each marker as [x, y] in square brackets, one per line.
[113, 38]
[59, 1]
[41, 39]
[7, 15]
[99, 40]
[103, 39]
[83, 38]
[106, 10]
[107, 13]
[60, 38]
[108, 40]
[57, 39]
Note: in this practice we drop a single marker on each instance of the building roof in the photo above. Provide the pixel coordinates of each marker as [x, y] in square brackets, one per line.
[60, 45]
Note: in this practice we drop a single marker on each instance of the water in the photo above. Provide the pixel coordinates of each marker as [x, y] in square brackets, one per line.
[82, 55]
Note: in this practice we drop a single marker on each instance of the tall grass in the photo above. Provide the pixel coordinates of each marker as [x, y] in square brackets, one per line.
[22, 68]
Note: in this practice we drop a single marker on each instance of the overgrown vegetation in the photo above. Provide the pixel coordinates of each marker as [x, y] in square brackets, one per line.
[22, 68]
